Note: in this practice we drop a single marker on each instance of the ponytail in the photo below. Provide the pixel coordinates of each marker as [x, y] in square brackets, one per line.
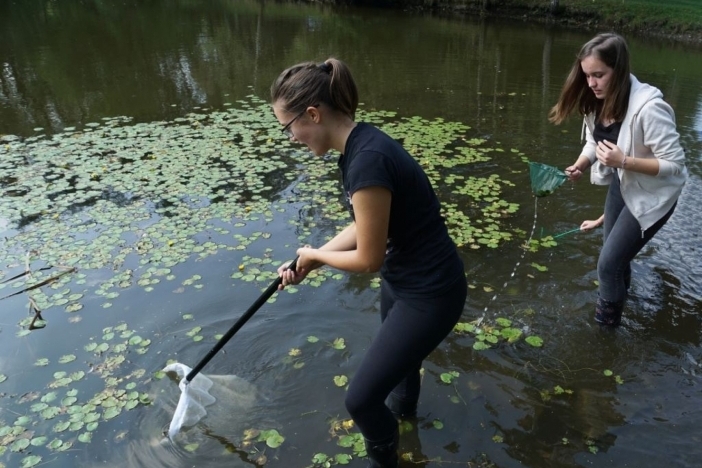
[311, 84]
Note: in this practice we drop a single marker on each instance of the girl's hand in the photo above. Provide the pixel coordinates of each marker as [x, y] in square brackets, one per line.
[290, 276]
[609, 154]
[589, 224]
[573, 172]
[305, 264]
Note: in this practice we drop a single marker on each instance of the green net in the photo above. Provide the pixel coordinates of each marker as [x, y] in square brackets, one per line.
[545, 179]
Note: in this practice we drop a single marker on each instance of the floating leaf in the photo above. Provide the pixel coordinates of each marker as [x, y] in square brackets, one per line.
[61, 426]
[50, 412]
[112, 412]
[30, 461]
[19, 445]
[67, 358]
[503, 322]
[447, 377]
[480, 346]
[320, 458]
[36, 407]
[69, 401]
[340, 380]
[135, 340]
[511, 334]
[539, 267]
[22, 421]
[39, 441]
[346, 441]
[274, 440]
[339, 343]
[534, 340]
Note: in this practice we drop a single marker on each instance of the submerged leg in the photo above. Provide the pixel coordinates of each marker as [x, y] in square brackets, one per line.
[383, 453]
[609, 312]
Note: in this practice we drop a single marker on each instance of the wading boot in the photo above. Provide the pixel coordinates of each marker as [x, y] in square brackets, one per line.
[608, 312]
[383, 453]
[401, 408]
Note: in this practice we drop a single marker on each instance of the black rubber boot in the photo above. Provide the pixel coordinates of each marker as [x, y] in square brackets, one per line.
[609, 312]
[400, 407]
[383, 453]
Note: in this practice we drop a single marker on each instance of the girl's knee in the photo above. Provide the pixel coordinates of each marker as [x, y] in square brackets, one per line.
[354, 403]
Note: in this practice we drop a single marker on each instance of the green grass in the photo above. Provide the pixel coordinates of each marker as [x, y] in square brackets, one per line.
[655, 16]
[674, 18]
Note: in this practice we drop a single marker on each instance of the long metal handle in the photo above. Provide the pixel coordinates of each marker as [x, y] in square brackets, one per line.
[239, 323]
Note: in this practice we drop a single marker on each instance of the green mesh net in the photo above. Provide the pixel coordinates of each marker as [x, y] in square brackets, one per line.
[545, 179]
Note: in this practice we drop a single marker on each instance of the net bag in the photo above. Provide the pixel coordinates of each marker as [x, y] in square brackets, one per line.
[545, 179]
[193, 399]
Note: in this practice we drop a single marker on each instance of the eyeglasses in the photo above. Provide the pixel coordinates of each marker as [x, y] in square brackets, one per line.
[287, 131]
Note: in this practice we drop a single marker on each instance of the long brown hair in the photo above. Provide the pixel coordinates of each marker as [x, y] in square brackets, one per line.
[612, 50]
[311, 84]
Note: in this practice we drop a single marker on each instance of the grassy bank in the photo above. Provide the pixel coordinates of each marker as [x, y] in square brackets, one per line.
[675, 19]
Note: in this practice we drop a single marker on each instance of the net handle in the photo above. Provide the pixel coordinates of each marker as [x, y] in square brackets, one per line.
[239, 323]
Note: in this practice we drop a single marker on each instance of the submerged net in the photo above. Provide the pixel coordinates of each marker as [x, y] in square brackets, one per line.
[545, 179]
[193, 399]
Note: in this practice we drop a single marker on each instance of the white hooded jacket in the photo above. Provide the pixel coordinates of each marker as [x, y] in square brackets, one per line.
[648, 131]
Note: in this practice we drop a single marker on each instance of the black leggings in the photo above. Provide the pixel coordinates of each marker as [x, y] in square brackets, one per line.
[410, 330]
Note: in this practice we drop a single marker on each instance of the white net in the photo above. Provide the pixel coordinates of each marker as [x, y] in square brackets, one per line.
[194, 397]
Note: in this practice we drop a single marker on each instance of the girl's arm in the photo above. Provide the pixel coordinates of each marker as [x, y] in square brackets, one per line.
[589, 224]
[611, 155]
[359, 248]
[575, 171]
[371, 207]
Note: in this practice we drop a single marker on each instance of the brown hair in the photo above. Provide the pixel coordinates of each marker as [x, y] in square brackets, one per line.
[612, 50]
[310, 84]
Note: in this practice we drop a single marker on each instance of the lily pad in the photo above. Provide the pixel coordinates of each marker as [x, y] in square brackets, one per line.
[534, 340]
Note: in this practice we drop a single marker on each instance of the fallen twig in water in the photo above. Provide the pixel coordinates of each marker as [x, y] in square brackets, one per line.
[43, 283]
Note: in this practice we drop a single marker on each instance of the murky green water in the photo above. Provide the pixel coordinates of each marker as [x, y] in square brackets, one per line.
[71, 65]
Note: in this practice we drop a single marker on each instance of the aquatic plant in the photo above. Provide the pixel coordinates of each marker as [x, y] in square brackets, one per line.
[136, 200]
[117, 205]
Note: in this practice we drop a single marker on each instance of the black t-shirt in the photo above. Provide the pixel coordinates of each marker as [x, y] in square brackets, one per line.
[609, 133]
[421, 258]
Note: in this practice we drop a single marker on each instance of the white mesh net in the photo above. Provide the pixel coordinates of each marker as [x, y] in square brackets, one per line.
[194, 397]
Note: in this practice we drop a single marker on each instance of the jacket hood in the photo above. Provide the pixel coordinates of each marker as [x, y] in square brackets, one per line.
[640, 94]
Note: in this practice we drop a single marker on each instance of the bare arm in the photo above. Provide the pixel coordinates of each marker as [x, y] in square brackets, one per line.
[359, 248]
[589, 224]
[575, 171]
[372, 211]
[342, 242]
[345, 240]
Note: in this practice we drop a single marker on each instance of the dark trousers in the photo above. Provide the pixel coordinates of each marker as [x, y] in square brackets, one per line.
[623, 239]
[410, 330]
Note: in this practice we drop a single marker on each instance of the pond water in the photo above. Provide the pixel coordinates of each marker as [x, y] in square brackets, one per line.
[141, 166]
